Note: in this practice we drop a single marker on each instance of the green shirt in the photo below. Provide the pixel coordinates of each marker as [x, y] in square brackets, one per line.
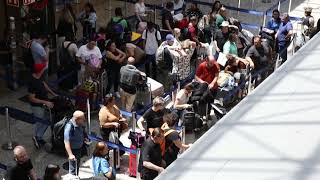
[219, 20]
[230, 48]
[123, 22]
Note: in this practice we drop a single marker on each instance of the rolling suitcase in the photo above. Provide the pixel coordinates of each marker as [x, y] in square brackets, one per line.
[136, 142]
[143, 95]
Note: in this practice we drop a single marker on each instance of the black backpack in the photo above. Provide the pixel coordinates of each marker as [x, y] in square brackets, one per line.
[66, 60]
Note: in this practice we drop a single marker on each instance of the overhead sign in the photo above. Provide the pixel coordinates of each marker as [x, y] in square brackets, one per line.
[13, 3]
[28, 2]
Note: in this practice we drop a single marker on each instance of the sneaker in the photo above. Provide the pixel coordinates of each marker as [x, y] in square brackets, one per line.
[117, 94]
[35, 142]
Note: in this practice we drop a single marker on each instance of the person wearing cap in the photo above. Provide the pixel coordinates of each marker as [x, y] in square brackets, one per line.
[74, 139]
[284, 35]
[38, 96]
[308, 21]
[221, 36]
[221, 17]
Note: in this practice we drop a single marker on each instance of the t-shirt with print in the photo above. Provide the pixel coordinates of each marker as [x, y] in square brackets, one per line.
[88, 54]
[171, 152]
[151, 41]
[208, 74]
[38, 53]
[20, 171]
[36, 86]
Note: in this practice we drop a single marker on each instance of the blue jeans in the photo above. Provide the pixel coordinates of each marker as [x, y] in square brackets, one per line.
[74, 165]
[283, 51]
[40, 128]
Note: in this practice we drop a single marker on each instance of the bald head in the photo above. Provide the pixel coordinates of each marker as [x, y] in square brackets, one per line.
[79, 117]
[131, 60]
[20, 154]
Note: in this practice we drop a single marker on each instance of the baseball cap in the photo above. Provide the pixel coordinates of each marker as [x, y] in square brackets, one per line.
[225, 23]
[170, 37]
[37, 68]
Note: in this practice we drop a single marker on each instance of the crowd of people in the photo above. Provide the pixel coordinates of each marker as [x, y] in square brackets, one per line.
[212, 44]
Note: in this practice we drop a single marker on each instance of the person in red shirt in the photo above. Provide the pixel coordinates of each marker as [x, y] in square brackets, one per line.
[208, 72]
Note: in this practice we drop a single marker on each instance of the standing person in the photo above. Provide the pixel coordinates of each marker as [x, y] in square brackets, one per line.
[66, 28]
[167, 18]
[140, 10]
[128, 86]
[308, 21]
[230, 47]
[74, 139]
[179, 6]
[151, 158]
[115, 59]
[173, 142]
[40, 53]
[284, 35]
[221, 36]
[88, 19]
[23, 170]
[100, 162]
[216, 6]
[38, 96]
[153, 116]
[275, 22]
[194, 11]
[222, 16]
[182, 99]
[110, 118]
[89, 56]
[152, 39]
[52, 172]
[260, 55]
[69, 63]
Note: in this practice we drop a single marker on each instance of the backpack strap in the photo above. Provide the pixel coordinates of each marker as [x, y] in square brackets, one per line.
[68, 44]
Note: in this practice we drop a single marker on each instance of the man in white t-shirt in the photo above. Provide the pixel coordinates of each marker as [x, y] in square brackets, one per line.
[88, 55]
[152, 39]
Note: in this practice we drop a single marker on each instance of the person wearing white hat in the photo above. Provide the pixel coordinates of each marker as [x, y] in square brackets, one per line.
[221, 36]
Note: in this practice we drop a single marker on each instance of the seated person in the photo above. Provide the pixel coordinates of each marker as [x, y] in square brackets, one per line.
[110, 118]
[207, 74]
[136, 52]
[182, 99]
[153, 116]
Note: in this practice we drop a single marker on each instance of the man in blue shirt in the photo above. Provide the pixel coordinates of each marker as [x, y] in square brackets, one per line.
[284, 36]
[74, 137]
